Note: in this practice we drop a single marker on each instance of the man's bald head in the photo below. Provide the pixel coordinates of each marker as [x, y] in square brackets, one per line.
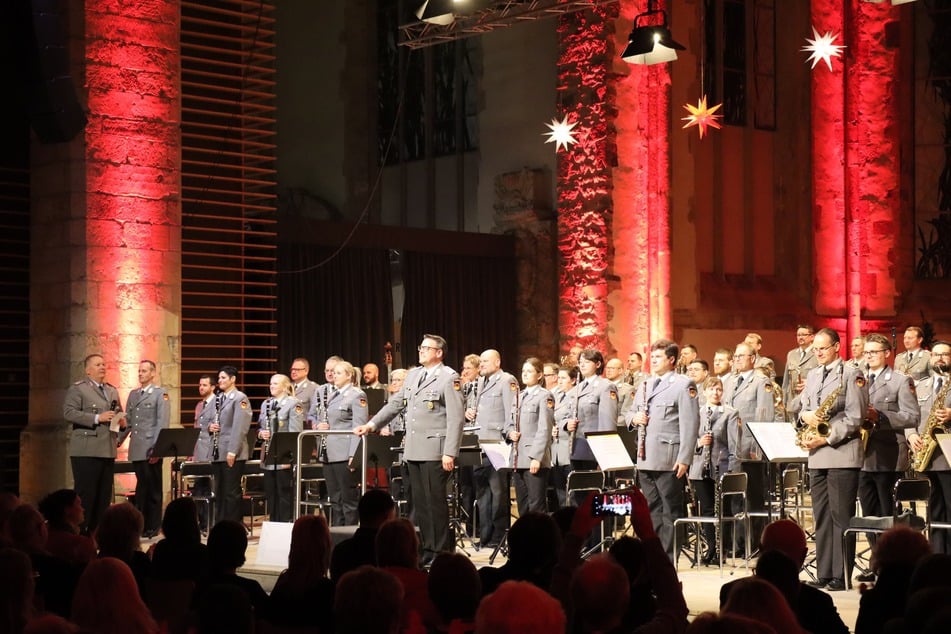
[489, 362]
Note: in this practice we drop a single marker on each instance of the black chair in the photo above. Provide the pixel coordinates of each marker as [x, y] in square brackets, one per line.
[730, 486]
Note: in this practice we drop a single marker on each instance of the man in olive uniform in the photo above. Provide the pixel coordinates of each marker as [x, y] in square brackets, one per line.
[835, 459]
[432, 400]
[914, 361]
[799, 361]
[90, 405]
[148, 411]
[230, 451]
[304, 388]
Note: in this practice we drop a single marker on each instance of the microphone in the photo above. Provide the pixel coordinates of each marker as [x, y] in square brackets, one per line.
[114, 405]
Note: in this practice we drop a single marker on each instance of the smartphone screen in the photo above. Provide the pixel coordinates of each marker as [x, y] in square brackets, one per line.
[613, 503]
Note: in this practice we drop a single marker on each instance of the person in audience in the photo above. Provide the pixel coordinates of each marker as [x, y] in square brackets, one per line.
[119, 535]
[670, 614]
[397, 552]
[713, 623]
[894, 557]
[8, 502]
[353, 613]
[55, 579]
[455, 591]
[226, 610]
[107, 600]
[519, 607]
[16, 590]
[814, 608]
[375, 508]
[303, 595]
[599, 594]
[629, 553]
[534, 543]
[63, 510]
[762, 601]
[180, 555]
[227, 543]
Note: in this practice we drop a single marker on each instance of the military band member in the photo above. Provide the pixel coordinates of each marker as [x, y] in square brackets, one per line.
[857, 348]
[230, 451]
[531, 440]
[318, 405]
[147, 414]
[346, 410]
[435, 416]
[304, 387]
[550, 376]
[564, 396]
[204, 417]
[834, 460]
[666, 410]
[711, 458]
[282, 412]
[397, 377]
[698, 371]
[938, 469]
[493, 411]
[914, 361]
[371, 377]
[614, 372]
[722, 363]
[90, 406]
[635, 374]
[596, 407]
[799, 361]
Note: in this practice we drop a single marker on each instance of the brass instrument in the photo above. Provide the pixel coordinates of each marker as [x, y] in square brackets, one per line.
[822, 415]
[868, 426]
[922, 458]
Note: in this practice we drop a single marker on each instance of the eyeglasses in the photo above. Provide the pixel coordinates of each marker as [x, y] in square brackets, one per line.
[869, 353]
[941, 354]
[818, 349]
[298, 369]
[421, 348]
[741, 356]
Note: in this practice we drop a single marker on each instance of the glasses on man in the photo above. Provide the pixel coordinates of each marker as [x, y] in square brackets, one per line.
[421, 348]
[869, 353]
[297, 369]
[741, 356]
[823, 349]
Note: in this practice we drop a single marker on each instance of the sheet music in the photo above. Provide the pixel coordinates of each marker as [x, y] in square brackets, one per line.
[609, 451]
[497, 452]
[778, 441]
[275, 544]
[944, 441]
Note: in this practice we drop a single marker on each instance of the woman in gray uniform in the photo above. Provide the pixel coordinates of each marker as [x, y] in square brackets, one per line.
[346, 410]
[280, 413]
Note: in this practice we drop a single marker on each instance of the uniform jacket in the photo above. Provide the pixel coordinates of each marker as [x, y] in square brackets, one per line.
[625, 399]
[673, 421]
[535, 420]
[434, 413]
[304, 393]
[82, 404]
[844, 449]
[494, 409]
[597, 407]
[926, 393]
[147, 413]
[317, 412]
[346, 410]
[753, 401]
[798, 367]
[564, 409]
[234, 416]
[893, 395]
[206, 416]
[719, 419]
[920, 366]
[279, 415]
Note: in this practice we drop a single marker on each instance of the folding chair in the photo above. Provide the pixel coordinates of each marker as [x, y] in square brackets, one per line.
[731, 485]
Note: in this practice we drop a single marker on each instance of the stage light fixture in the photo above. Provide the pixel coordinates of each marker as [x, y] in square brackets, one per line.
[895, 3]
[651, 43]
[437, 11]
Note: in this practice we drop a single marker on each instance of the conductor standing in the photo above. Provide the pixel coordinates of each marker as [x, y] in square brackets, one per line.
[431, 398]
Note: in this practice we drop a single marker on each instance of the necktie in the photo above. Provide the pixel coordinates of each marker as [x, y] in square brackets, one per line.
[871, 378]
[802, 355]
[334, 394]
[102, 390]
[562, 398]
[825, 374]
[655, 384]
[937, 384]
[911, 356]
[739, 381]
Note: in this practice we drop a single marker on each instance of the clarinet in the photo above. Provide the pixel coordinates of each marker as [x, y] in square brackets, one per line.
[214, 436]
[706, 454]
[322, 417]
[571, 434]
[270, 418]
[517, 417]
[642, 429]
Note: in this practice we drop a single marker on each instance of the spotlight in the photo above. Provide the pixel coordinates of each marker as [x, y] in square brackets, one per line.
[437, 11]
[651, 44]
[894, 2]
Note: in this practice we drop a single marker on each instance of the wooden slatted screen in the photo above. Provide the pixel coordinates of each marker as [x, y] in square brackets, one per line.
[229, 224]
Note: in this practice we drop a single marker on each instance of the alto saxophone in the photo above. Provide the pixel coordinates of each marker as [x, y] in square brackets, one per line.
[822, 414]
[922, 458]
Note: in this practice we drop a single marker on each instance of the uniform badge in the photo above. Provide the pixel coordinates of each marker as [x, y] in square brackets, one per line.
[299, 408]
[860, 381]
[244, 405]
[550, 402]
[456, 385]
[430, 405]
[363, 401]
[165, 396]
[613, 395]
[768, 386]
[513, 386]
[692, 391]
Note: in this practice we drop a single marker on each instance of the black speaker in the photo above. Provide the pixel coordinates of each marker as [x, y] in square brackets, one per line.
[37, 34]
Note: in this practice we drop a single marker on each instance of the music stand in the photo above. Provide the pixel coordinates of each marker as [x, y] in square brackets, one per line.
[282, 449]
[376, 398]
[380, 451]
[175, 442]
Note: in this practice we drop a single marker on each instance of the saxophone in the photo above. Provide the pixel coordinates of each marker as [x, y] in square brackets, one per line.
[922, 458]
[822, 414]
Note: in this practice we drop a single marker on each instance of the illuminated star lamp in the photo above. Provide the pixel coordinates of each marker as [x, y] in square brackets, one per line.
[702, 117]
[652, 43]
[560, 134]
[822, 47]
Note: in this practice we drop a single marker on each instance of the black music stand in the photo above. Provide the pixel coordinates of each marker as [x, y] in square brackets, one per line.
[380, 452]
[282, 448]
[376, 398]
[175, 442]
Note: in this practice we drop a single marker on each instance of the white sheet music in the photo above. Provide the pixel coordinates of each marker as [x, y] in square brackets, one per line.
[944, 441]
[778, 441]
[497, 452]
[275, 544]
[609, 451]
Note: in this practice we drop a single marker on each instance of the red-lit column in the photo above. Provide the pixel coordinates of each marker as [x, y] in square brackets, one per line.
[586, 91]
[642, 238]
[106, 257]
[855, 165]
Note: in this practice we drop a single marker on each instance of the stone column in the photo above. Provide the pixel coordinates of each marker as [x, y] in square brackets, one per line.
[106, 221]
[523, 210]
